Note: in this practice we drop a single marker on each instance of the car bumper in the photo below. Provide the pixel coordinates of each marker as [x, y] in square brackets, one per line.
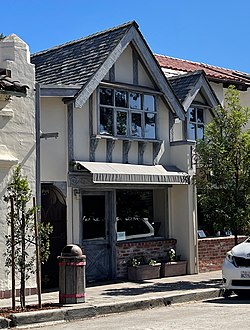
[235, 278]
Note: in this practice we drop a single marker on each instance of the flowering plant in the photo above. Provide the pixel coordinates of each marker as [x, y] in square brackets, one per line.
[137, 261]
[171, 254]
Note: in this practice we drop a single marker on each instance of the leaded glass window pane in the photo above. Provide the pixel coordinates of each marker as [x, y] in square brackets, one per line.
[106, 121]
[200, 131]
[200, 118]
[136, 125]
[135, 100]
[191, 131]
[106, 96]
[121, 123]
[121, 99]
[191, 115]
[150, 125]
[149, 103]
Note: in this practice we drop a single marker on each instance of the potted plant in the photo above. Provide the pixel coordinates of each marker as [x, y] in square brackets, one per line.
[173, 266]
[140, 269]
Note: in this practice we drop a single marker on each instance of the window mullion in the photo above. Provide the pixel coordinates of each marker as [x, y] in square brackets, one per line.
[115, 121]
[143, 123]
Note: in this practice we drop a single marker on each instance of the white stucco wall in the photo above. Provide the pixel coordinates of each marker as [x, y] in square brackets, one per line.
[183, 225]
[53, 150]
[124, 67]
[143, 77]
[17, 132]
[81, 132]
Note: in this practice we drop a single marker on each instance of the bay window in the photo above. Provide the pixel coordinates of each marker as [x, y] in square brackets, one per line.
[127, 113]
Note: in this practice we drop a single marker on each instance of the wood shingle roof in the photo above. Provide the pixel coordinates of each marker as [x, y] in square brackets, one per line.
[74, 63]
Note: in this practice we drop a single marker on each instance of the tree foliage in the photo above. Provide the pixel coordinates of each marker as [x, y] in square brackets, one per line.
[223, 167]
[22, 218]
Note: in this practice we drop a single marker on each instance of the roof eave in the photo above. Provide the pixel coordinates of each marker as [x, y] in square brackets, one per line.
[227, 82]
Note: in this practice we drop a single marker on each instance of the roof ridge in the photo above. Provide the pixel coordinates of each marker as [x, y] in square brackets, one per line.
[211, 66]
[85, 38]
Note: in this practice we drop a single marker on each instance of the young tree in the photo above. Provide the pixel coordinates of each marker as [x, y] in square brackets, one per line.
[21, 218]
[223, 167]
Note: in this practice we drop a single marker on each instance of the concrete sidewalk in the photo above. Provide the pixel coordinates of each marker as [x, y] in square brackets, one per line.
[118, 297]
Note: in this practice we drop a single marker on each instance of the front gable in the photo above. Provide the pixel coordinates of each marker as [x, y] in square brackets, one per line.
[199, 102]
[141, 60]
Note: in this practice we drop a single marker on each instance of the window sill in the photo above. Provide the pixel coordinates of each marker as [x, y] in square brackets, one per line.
[121, 138]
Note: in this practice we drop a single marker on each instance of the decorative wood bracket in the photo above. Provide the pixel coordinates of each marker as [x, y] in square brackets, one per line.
[92, 148]
[110, 147]
[156, 149]
[141, 148]
[125, 150]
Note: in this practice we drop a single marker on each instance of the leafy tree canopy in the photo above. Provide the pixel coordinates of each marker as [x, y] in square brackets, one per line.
[223, 170]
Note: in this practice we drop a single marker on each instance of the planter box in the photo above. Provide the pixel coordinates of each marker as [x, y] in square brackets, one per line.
[175, 268]
[144, 272]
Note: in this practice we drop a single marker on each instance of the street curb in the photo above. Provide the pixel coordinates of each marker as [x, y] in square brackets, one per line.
[44, 317]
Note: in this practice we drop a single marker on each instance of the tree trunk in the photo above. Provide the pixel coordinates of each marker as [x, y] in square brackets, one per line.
[22, 291]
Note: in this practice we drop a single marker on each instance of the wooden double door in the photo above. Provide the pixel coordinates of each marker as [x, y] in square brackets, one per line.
[98, 232]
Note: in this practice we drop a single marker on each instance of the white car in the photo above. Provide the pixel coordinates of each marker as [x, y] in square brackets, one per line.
[236, 270]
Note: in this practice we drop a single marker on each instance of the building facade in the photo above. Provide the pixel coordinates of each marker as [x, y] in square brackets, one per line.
[17, 131]
[113, 181]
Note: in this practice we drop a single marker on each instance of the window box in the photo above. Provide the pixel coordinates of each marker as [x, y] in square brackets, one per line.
[144, 272]
[173, 268]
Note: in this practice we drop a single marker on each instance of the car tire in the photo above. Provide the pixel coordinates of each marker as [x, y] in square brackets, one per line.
[244, 294]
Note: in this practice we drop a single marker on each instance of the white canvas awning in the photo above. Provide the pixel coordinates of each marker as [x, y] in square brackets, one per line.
[133, 174]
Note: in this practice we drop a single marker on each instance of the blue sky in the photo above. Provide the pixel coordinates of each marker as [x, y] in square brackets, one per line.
[210, 31]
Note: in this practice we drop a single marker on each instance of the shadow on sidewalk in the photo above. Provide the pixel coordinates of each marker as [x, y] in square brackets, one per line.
[163, 287]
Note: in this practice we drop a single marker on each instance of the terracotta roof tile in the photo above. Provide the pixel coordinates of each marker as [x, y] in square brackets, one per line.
[213, 72]
[8, 85]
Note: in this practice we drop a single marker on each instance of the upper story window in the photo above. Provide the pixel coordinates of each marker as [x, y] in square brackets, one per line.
[127, 113]
[196, 123]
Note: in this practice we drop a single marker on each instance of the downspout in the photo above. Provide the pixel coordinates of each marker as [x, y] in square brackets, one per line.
[38, 160]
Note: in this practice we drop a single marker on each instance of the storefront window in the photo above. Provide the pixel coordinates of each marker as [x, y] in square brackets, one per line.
[134, 210]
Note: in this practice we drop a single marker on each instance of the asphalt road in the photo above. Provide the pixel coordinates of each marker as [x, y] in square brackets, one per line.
[221, 313]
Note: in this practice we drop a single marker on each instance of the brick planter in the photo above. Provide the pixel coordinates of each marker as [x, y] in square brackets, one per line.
[144, 272]
[175, 268]
[148, 248]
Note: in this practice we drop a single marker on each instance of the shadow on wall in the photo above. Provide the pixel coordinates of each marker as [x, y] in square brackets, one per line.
[6, 173]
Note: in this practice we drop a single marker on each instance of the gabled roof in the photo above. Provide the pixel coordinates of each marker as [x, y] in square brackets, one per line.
[214, 73]
[86, 61]
[73, 63]
[187, 86]
[10, 86]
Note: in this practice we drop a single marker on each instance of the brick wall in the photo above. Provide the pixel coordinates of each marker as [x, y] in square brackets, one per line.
[212, 252]
[155, 249]
[8, 293]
